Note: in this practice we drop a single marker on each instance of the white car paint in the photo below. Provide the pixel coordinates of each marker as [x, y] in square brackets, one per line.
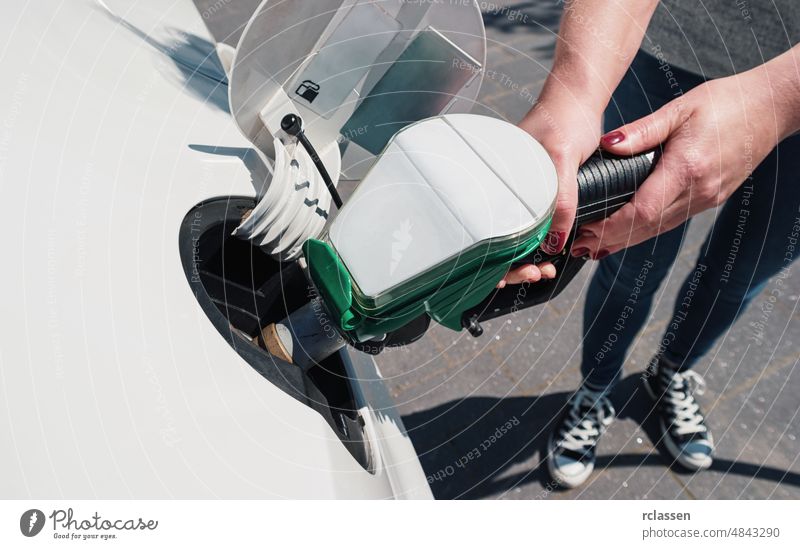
[113, 382]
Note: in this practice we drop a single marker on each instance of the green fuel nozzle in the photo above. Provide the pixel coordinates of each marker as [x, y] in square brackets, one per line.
[451, 204]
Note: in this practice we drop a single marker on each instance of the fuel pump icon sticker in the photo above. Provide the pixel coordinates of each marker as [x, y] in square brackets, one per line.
[308, 90]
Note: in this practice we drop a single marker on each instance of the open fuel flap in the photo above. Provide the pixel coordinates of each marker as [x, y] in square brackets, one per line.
[354, 72]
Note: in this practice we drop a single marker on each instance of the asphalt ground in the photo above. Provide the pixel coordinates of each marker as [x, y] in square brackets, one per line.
[479, 411]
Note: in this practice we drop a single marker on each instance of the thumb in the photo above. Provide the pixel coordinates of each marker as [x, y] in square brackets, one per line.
[647, 132]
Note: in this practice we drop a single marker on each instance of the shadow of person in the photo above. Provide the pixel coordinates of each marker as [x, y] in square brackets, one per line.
[472, 448]
[482, 447]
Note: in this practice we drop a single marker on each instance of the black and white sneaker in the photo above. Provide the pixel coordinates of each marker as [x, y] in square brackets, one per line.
[683, 428]
[571, 449]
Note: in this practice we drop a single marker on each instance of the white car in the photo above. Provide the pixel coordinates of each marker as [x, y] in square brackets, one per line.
[126, 369]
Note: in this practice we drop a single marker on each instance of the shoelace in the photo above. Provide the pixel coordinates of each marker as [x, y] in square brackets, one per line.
[589, 414]
[679, 394]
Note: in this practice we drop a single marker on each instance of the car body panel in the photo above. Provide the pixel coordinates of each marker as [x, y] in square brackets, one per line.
[113, 382]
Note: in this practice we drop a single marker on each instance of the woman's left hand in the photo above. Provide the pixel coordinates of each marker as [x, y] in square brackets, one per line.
[713, 138]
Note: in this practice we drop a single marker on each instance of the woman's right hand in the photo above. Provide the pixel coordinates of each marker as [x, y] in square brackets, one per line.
[570, 133]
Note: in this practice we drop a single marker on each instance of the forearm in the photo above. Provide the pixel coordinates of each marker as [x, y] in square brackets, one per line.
[776, 85]
[596, 43]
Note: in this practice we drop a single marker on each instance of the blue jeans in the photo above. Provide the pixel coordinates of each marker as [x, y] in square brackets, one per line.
[754, 237]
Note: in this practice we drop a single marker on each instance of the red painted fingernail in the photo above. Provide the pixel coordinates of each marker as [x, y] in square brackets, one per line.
[554, 241]
[580, 252]
[612, 138]
[601, 254]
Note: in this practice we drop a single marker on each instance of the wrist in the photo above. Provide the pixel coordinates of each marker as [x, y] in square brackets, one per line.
[571, 82]
[568, 130]
[778, 90]
[790, 107]
[562, 114]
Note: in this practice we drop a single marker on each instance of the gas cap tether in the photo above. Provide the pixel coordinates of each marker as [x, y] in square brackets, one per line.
[292, 124]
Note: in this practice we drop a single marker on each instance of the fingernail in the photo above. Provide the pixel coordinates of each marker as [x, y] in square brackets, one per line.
[582, 233]
[501, 284]
[554, 241]
[601, 254]
[580, 252]
[612, 138]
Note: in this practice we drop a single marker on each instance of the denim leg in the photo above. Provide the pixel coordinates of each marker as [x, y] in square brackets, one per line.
[621, 291]
[619, 301]
[754, 238]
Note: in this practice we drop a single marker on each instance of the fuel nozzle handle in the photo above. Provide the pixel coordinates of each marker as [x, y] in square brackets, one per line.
[606, 182]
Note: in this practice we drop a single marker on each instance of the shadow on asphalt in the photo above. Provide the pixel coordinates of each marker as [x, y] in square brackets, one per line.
[482, 447]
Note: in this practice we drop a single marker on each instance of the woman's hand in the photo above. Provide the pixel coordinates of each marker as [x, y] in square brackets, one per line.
[566, 117]
[713, 138]
[570, 134]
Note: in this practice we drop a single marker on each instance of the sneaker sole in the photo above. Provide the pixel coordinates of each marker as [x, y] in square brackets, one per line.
[686, 461]
[561, 479]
